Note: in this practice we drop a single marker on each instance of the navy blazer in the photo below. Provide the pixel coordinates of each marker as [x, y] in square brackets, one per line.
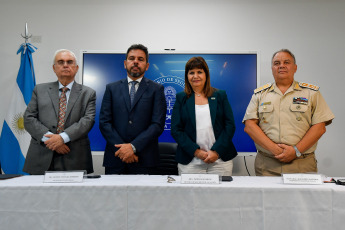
[140, 124]
[183, 126]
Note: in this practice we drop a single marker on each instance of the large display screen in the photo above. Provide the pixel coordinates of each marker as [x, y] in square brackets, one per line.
[236, 73]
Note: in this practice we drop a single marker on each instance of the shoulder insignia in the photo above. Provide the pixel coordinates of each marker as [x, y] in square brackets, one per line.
[309, 86]
[262, 87]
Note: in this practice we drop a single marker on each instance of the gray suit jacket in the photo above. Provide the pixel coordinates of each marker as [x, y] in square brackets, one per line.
[41, 116]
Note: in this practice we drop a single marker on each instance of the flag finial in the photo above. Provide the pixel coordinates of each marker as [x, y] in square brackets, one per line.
[26, 36]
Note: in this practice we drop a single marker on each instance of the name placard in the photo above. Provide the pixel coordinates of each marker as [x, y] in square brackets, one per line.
[199, 179]
[300, 178]
[63, 177]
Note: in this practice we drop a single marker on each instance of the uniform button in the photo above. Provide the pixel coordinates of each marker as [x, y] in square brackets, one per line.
[298, 118]
[265, 107]
[298, 107]
[130, 122]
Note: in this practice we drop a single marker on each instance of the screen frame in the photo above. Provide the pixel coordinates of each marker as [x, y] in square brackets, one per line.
[170, 51]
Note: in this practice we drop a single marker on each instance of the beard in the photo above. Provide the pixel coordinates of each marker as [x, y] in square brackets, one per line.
[135, 74]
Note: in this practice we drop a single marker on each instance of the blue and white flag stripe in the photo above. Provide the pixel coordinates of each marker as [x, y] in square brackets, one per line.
[26, 75]
[15, 140]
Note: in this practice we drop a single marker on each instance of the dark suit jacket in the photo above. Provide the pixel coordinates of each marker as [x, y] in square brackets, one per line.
[41, 116]
[183, 126]
[140, 124]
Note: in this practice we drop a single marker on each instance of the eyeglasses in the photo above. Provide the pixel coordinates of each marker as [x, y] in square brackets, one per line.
[170, 179]
[61, 62]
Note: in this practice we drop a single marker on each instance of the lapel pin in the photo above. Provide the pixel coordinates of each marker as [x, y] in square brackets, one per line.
[213, 98]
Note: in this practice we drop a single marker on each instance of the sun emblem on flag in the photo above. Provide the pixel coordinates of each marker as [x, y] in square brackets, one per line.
[18, 123]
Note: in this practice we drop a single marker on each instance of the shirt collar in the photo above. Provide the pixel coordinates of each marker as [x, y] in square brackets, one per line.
[69, 86]
[130, 80]
[294, 86]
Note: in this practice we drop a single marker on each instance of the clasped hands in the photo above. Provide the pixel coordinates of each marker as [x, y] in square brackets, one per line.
[284, 153]
[207, 156]
[125, 153]
[56, 143]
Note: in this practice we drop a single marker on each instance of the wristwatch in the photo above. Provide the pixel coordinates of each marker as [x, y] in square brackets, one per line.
[298, 153]
[134, 149]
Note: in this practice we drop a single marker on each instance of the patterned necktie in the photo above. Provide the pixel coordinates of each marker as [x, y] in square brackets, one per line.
[132, 92]
[62, 110]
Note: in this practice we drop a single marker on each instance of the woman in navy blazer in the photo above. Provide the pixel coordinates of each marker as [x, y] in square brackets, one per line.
[203, 124]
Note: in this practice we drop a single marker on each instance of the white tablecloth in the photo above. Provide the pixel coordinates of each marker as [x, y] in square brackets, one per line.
[149, 202]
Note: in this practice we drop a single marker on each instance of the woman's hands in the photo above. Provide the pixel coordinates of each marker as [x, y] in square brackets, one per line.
[208, 157]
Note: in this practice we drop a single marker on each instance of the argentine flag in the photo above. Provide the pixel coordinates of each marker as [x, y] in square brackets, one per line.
[14, 139]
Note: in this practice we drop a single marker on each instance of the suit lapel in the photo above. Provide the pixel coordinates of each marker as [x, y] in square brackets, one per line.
[73, 96]
[191, 109]
[53, 91]
[125, 92]
[144, 83]
[212, 101]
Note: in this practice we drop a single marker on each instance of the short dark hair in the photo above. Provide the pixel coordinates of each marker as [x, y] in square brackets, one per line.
[139, 47]
[199, 63]
[285, 51]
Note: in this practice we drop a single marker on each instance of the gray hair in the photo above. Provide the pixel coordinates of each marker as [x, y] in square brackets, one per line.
[65, 50]
[285, 51]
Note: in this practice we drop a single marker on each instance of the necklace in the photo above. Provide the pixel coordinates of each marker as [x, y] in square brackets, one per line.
[197, 94]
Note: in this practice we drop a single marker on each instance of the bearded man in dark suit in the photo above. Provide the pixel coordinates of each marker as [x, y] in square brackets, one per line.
[132, 118]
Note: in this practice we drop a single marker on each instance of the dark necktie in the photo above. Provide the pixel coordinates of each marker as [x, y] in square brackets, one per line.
[132, 92]
[62, 110]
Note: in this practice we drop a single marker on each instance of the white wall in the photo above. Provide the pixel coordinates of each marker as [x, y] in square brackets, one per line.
[312, 29]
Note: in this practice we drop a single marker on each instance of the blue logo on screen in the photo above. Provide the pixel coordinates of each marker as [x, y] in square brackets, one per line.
[172, 85]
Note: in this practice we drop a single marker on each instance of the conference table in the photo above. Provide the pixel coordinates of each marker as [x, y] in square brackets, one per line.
[150, 202]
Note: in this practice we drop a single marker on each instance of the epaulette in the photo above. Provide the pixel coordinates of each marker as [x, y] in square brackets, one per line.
[262, 87]
[309, 86]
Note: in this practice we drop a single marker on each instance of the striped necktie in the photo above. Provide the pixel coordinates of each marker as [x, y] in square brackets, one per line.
[62, 110]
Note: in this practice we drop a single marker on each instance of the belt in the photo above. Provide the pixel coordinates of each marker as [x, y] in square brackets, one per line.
[304, 155]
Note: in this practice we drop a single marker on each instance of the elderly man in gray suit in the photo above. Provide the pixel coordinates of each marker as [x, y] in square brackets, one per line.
[59, 118]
